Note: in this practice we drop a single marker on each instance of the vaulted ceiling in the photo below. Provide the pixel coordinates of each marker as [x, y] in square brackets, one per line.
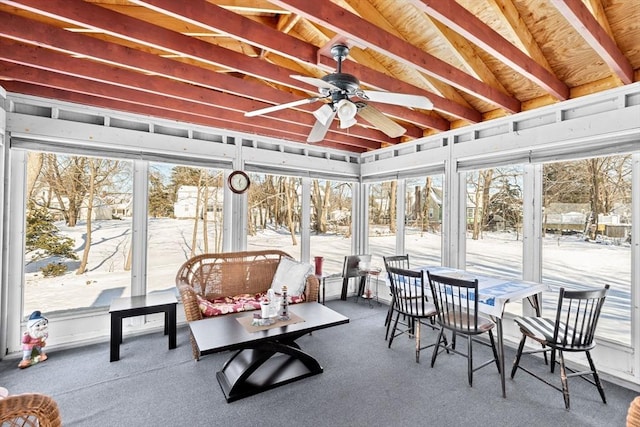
[210, 62]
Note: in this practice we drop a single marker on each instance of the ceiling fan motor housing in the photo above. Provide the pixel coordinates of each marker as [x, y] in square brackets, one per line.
[346, 82]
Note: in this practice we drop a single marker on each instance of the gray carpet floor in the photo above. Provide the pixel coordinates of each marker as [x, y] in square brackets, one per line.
[364, 384]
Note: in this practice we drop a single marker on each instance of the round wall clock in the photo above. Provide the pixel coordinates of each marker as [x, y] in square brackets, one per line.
[238, 182]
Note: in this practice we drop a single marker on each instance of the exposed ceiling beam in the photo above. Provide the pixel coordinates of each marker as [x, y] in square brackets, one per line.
[464, 22]
[231, 120]
[364, 33]
[583, 21]
[113, 23]
[129, 107]
[201, 13]
[75, 44]
[508, 13]
[46, 67]
[374, 78]
[214, 18]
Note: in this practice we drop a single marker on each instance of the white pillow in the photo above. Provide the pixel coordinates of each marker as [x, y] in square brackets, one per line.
[293, 274]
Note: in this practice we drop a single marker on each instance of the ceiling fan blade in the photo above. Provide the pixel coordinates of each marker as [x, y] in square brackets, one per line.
[380, 121]
[319, 130]
[314, 82]
[280, 107]
[403, 99]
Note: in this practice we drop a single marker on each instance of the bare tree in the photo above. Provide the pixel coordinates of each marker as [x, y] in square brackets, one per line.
[35, 161]
[321, 202]
[98, 175]
[426, 204]
[482, 186]
[291, 198]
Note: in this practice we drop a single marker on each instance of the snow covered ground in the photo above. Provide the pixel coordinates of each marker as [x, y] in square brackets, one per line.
[568, 261]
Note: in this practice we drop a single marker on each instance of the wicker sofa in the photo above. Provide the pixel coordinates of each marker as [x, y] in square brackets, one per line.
[229, 282]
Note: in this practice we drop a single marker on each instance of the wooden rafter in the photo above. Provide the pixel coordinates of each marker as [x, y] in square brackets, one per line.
[462, 21]
[337, 19]
[583, 21]
[508, 13]
[210, 61]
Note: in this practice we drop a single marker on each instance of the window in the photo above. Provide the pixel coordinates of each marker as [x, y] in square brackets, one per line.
[423, 220]
[382, 221]
[494, 228]
[330, 223]
[184, 219]
[78, 240]
[274, 213]
[587, 235]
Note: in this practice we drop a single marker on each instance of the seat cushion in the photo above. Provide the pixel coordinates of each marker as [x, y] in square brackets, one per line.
[461, 324]
[236, 304]
[422, 310]
[537, 328]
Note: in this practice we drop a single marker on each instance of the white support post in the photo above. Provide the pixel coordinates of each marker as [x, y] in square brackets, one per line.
[455, 217]
[635, 260]
[139, 227]
[360, 218]
[401, 194]
[14, 245]
[532, 227]
[305, 222]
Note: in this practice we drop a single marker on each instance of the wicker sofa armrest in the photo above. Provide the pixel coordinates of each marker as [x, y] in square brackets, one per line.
[190, 302]
[311, 290]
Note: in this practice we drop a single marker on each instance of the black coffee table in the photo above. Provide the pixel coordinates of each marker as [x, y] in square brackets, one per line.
[264, 359]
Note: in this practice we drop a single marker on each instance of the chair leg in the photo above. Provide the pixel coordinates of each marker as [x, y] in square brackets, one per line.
[393, 330]
[436, 347]
[470, 360]
[553, 360]
[388, 322]
[417, 330]
[596, 377]
[495, 350]
[516, 362]
[563, 380]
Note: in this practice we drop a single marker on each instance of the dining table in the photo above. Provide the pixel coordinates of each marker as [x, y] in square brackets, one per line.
[494, 293]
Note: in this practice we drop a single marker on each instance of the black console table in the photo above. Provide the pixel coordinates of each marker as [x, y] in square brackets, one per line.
[137, 306]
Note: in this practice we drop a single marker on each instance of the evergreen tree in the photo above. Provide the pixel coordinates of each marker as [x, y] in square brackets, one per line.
[42, 236]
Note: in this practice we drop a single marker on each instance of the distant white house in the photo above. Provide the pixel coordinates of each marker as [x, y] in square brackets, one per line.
[105, 207]
[187, 198]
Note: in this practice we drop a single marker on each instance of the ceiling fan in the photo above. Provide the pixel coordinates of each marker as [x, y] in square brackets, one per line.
[337, 89]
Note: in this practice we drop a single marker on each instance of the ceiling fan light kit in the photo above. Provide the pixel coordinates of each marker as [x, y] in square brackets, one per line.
[337, 88]
[346, 111]
[324, 114]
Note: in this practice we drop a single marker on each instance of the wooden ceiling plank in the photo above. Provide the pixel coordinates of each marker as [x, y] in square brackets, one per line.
[40, 89]
[203, 13]
[467, 55]
[583, 21]
[438, 87]
[113, 23]
[597, 10]
[287, 22]
[76, 44]
[40, 58]
[250, 6]
[464, 22]
[51, 61]
[373, 77]
[442, 94]
[337, 19]
[509, 15]
[122, 26]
